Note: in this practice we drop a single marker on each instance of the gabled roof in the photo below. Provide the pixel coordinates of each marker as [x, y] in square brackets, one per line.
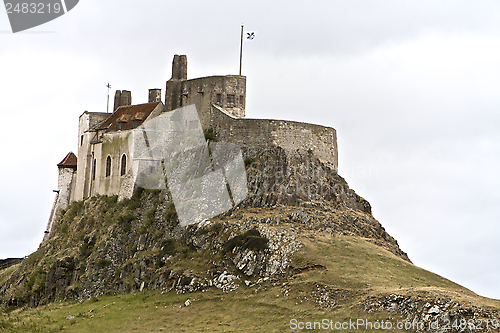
[69, 161]
[126, 115]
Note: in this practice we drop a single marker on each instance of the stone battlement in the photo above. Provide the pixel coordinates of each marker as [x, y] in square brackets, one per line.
[319, 140]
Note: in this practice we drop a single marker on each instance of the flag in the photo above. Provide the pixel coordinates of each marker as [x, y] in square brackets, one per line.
[249, 35]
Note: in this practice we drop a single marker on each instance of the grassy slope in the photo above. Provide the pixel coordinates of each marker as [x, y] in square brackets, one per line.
[356, 263]
[5, 274]
[355, 269]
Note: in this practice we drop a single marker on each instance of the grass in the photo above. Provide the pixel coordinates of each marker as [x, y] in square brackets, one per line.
[248, 161]
[6, 273]
[210, 134]
[141, 312]
[350, 267]
[103, 263]
[355, 262]
[261, 309]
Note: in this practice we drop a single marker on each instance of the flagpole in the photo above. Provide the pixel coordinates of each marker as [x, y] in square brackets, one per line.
[107, 106]
[241, 47]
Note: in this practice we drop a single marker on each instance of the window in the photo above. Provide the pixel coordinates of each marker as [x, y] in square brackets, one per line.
[242, 100]
[108, 166]
[184, 99]
[93, 170]
[219, 98]
[136, 123]
[121, 123]
[81, 140]
[230, 99]
[124, 165]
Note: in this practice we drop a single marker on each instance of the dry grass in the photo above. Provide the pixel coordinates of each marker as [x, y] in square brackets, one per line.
[355, 269]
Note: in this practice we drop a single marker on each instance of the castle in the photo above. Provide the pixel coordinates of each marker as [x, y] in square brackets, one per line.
[103, 164]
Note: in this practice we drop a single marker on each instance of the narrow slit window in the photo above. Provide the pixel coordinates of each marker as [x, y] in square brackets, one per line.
[124, 165]
[108, 166]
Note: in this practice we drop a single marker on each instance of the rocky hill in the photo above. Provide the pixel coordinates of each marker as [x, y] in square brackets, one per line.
[302, 232]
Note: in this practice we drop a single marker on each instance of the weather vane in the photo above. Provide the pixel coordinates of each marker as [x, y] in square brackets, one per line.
[107, 107]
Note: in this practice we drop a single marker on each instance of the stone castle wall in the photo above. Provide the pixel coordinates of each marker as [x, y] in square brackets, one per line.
[224, 91]
[92, 180]
[228, 91]
[87, 121]
[66, 186]
[116, 145]
[319, 140]
[316, 140]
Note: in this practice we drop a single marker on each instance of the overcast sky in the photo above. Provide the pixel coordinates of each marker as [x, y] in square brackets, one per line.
[412, 88]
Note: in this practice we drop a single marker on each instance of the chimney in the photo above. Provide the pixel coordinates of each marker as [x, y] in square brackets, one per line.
[179, 67]
[118, 97]
[126, 98]
[122, 98]
[154, 95]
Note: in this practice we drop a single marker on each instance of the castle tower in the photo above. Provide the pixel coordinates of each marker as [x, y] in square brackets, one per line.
[65, 186]
[225, 91]
[179, 67]
[173, 98]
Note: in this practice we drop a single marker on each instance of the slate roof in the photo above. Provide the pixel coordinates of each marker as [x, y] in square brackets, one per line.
[126, 115]
[69, 161]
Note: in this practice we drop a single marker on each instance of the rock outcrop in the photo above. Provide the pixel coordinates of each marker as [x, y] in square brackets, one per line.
[436, 311]
[102, 246]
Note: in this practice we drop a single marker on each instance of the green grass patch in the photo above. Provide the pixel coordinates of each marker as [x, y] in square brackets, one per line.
[103, 263]
[355, 262]
[168, 247]
[170, 213]
[6, 273]
[210, 134]
[248, 161]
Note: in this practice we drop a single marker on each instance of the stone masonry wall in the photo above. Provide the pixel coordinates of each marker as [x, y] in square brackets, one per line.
[66, 183]
[319, 141]
[115, 145]
[204, 91]
[87, 121]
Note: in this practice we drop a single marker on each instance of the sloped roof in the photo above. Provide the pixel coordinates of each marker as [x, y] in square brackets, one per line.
[126, 115]
[69, 161]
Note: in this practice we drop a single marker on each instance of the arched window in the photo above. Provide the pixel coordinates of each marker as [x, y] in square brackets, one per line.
[124, 165]
[108, 166]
